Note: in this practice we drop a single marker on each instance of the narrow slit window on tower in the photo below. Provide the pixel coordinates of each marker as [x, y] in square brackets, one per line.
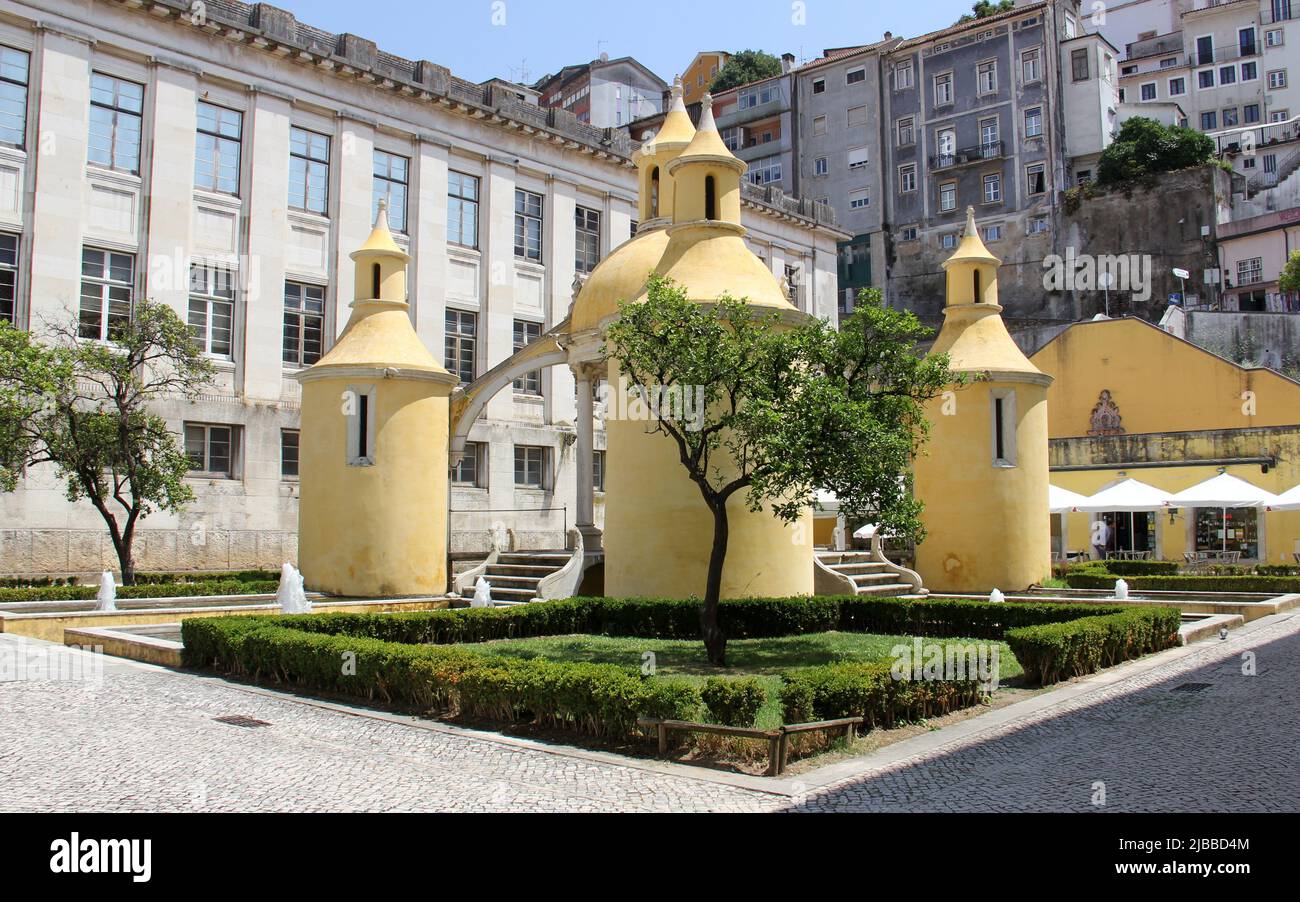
[1004, 428]
[374, 277]
[654, 192]
[359, 408]
[977, 297]
[710, 199]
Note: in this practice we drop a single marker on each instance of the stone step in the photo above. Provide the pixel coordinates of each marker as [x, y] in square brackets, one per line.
[872, 579]
[534, 557]
[522, 569]
[506, 581]
[855, 569]
[504, 593]
[886, 589]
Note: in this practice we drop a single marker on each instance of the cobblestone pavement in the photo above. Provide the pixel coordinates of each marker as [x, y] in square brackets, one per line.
[146, 739]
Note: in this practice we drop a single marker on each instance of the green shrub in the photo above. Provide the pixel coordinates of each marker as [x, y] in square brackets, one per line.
[1133, 568]
[869, 690]
[1278, 569]
[735, 703]
[1058, 651]
[597, 699]
[954, 617]
[1191, 582]
[154, 590]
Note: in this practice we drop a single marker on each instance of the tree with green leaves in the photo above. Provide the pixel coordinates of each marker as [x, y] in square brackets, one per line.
[1289, 280]
[1145, 147]
[788, 410]
[744, 67]
[86, 408]
[985, 8]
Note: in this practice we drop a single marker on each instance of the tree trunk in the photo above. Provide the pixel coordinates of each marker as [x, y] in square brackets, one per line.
[125, 547]
[715, 643]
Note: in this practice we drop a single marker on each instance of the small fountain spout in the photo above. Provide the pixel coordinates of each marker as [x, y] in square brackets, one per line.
[997, 597]
[482, 594]
[1121, 590]
[292, 594]
[106, 598]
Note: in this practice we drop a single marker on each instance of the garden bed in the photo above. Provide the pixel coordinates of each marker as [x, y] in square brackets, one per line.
[578, 665]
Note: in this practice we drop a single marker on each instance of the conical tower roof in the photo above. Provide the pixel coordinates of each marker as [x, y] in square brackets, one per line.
[677, 128]
[972, 248]
[707, 144]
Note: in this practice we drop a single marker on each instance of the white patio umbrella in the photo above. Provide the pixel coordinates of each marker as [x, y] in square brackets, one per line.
[1223, 491]
[1127, 495]
[1287, 501]
[1062, 501]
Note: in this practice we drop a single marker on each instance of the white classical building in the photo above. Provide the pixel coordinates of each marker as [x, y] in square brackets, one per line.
[225, 158]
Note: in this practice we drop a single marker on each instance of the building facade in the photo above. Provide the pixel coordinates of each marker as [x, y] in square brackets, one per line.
[605, 93]
[229, 176]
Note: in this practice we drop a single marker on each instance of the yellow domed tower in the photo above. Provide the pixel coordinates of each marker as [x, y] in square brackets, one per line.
[983, 475]
[372, 517]
[658, 532]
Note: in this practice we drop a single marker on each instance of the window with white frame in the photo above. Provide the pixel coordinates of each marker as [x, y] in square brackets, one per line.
[752, 97]
[598, 470]
[217, 148]
[907, 178]
[359, 409]
[309, 171]
[8, 277]
[907, 233]
[733, 137]
[903, 76]
[948, 240]
[859, 199]
[1279, 116]
[821, 166]
[857, 116]
[1030, 65]
[390, 181]
[528, 225]
[1209, 120]
[986, 76]
[462, 209]
[289, 441]
[993, 232]
[471, 468]
[1034, 122]
[116, 106]
[765, 170]
[855, 76]
[1250, 270]
[943, 89]
[1250, 71]
[212, 309]
[1147, 92]
[1277, 79]
[1003, 423]
[948, 196]
[1038, 225]
[526, 332]
[211, 449]
[906, 131]
[586, 231]
[1205, 79]
[1230, 117]
[1227, 75]
[993, 188]
[530, 466]
[107, 293]
[819, 126]
[1036, 178]
[1274, 37]
[1177, 86]
[460, 344]
[819, 86]
[858, 157]
[989, 137]
[1080, 65]
[304, 323]
[13, 96]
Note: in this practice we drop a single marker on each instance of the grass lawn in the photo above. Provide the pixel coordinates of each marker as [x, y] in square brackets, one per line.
[761, 658]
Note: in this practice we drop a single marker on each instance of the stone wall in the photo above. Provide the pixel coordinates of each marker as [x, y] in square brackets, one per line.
[1264, 339]
[86, 553]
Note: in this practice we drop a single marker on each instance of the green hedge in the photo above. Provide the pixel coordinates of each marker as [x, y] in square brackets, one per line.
[954, 617]
[1058, 651]
[733, 702]
[1191, 582]
[868, 690]
[161, 590]
[1128, 568]
[598, 699]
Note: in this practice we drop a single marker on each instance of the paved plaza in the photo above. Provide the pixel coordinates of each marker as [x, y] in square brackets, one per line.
[146, 739]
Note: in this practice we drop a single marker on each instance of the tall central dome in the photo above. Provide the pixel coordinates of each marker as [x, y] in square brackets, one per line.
[658, 532]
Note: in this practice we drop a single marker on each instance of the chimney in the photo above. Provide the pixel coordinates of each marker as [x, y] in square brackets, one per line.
[889, 36]
[787, 63]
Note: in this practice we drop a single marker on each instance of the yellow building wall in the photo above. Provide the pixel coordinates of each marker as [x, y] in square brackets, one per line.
[987, 526]
[692, 88]
[379, 530]
[1160, 383]
[1163, 384]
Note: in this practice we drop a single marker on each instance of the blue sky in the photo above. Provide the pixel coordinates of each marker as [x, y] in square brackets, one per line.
[543, 35]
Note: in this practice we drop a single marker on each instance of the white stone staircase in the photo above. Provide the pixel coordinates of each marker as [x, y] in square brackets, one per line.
[865, 575]
[515, 576]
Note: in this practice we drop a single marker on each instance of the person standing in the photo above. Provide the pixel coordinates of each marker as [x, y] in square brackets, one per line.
[1101, 538]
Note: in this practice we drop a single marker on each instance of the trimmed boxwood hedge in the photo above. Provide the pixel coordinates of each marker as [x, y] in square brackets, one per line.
[405, 659]
[1058, 651]
[867, 689]
[148, 590]
[1191, 582]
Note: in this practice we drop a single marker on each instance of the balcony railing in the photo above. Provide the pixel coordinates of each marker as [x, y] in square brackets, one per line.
[1280, 12]
[1223, 54]
[990, 150]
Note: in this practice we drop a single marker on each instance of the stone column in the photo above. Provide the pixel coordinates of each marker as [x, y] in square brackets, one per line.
[585, 375]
